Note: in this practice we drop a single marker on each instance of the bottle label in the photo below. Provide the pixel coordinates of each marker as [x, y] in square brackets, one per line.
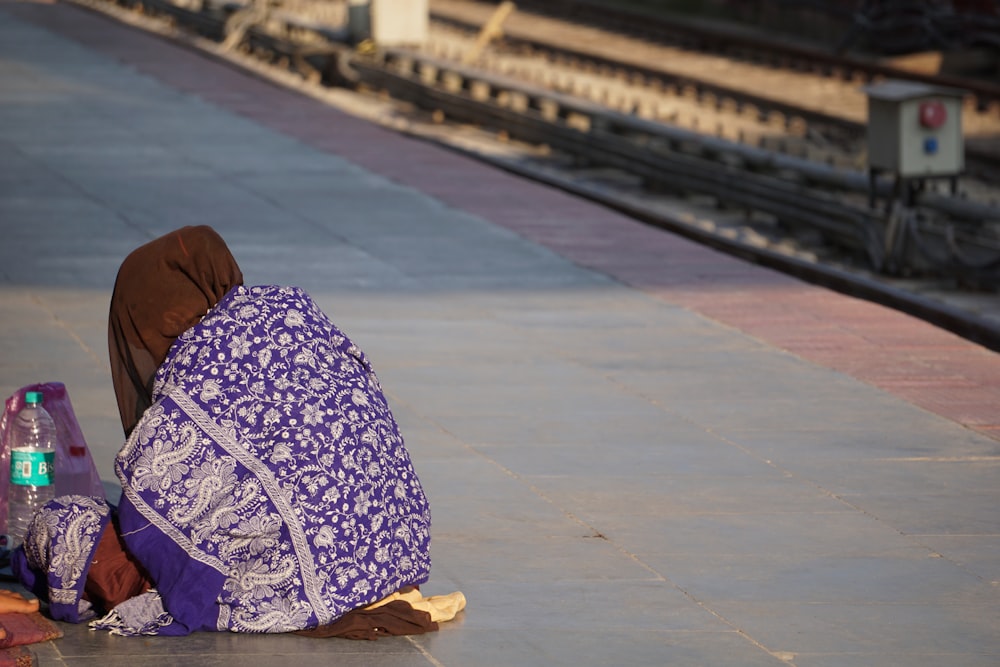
[32, 468]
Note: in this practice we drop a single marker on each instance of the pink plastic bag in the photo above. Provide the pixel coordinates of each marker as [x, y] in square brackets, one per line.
[76, 473]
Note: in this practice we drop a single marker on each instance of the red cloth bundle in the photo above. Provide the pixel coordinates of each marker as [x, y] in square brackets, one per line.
[22, 629]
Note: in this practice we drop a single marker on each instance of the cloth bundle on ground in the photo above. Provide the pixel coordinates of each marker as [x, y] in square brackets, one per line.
[18, 656]
[26, 629]
[18, 630]
[266, 487]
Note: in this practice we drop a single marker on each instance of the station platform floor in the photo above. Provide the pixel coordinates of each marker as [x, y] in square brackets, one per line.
[638, 451]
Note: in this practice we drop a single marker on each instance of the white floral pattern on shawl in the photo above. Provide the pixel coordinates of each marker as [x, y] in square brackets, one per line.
[270, 455]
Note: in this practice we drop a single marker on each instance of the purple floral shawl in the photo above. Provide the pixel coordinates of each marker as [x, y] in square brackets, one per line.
[267, 488]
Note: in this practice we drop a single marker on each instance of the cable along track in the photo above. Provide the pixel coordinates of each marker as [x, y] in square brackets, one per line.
[733, 42]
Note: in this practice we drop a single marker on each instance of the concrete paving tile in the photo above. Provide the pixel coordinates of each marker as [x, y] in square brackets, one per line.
[80, 645]
[503, 392]
[678, 450]
[490, 504]
[709, 391]
[389, 313]
[431, 449]
[523, 380]
[483, 427]
[558, 427]
[656, 496]
[442, 324]
[316, 268]
[700, 373]
[404, 209]
[46, 345]
[784, 536]
[240, 158]
[938, 476]
[920, 436]
[28, 179]
[979, 554]
[31, 216]
[96, 159]
[566, 606]
[903, 576]
[609, 303]
[593, 428]
[691, 542]
[862, 407]
[901, 659]
[182, 195]
[969, 511]
[918, 630]
[724, 356]
[460, 558]
[104, 439]
[47, 653]
[239, 659]
[573, 648]
[469, 279]
[482, 376]
[614, 323]
[638, 357]
[81, 310]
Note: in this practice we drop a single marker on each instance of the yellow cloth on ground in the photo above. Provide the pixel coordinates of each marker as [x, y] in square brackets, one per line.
[441, 607]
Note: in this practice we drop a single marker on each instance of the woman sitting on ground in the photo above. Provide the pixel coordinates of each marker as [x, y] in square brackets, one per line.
[265, 485]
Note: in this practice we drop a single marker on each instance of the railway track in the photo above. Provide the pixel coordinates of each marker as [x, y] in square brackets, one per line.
[763, 49]
[814, 97]
[790, 211]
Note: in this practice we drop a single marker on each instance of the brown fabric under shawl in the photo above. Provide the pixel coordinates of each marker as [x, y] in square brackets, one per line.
[394, 618]
[162, 289]
[114, 576]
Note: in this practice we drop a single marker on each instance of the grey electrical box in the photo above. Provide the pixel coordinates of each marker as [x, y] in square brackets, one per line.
[915, 129]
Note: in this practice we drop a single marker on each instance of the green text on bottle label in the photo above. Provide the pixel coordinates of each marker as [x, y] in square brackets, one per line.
[32, 468]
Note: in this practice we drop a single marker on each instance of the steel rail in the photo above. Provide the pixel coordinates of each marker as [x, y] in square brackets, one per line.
[765, 106]
[721, 40]
[844, 129]
[483, 86]
[626, 143]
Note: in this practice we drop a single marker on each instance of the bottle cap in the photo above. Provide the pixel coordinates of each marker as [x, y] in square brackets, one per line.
[33, 397]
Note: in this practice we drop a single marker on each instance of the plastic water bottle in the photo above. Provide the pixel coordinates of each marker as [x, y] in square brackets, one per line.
[32, 466]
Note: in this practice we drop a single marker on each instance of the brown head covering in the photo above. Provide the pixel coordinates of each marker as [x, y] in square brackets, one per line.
[162, 289]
